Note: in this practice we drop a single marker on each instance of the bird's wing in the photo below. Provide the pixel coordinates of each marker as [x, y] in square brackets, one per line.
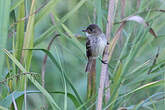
[88, 48]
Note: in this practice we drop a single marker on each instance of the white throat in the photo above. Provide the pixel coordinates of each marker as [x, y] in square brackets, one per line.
[88, 35]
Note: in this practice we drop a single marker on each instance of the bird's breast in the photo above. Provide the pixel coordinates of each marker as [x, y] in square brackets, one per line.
[97, 46]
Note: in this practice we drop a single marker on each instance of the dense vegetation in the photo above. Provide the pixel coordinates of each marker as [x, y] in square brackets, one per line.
[42, 54]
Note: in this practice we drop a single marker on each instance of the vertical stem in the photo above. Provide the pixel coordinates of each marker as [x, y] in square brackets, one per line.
[25, 95]
[110, 18]
[14, 103]
[107, 85]
[45, 60]
[102, 80]
[27, 54]
[18, 52]
[104, 69]
[138, 4]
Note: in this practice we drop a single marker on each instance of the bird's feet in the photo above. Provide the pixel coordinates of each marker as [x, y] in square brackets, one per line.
[104, 62]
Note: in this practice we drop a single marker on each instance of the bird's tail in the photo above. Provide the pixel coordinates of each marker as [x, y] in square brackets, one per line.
[89, 65]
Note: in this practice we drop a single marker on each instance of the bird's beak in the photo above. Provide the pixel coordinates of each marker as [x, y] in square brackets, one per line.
[84, 30]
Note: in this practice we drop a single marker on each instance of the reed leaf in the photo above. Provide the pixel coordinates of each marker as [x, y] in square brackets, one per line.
[44, 92]
[4, 23]
[45, 10]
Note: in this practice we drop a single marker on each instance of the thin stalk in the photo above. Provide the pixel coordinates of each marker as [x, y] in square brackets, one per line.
[104, 69]
[26, 55]
[45, 59]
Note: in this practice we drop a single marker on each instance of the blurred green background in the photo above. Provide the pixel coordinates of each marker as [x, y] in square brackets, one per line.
[138, 90]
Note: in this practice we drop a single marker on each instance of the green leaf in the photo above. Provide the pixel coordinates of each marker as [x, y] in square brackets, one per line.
[60, 22]
[70, 13]
[16, 4]
[71, 96]
[4, 23]
[159, 41]
[50, 56]
[44, 92]
[3, 108]
[20, 32]
[46, 10]
[128, 62]
[6, 102]
[148, 85]
[45, 35]
[66, 77]
[99, 12]
[29, 36]
[155, 97]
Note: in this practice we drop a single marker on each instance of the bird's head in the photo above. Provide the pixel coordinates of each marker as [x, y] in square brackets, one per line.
[92, 30]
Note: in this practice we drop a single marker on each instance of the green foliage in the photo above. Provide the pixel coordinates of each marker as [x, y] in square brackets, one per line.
[136, 82]
[16, 94]
[4, 23]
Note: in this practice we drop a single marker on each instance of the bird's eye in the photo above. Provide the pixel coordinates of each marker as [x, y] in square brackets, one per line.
[90, 30]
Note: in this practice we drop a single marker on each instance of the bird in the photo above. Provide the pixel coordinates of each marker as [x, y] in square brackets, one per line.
[95, 44]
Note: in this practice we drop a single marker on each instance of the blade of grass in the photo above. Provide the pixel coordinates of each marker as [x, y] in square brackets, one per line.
[64, 80]
[15, 105]
[145, 86]
[138, 68]
[58, 66]
[3, 108]
[46, 10]
[14, 76]
[26, 55]
[122, 53]
[45, 35]
[73, 40]
[49, 54]
[151, 98]
[45, 60]
[20, 32]
[114, 41]
[4, 23]
[128, 62]
[132, 54]
[99, 12]
[86, 103]
[29, 36]
[44, 92]
[60, 22]
[7, 101]
[78, 5]
[148, 85]
[53, 28]
[119, 66]
[16, 4]
[140, 20]
[71, 96]
[116, 77]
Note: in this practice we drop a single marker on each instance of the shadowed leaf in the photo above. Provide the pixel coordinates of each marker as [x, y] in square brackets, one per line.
[8, 100]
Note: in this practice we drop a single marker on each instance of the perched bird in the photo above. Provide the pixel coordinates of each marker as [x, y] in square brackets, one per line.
[95, 44]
